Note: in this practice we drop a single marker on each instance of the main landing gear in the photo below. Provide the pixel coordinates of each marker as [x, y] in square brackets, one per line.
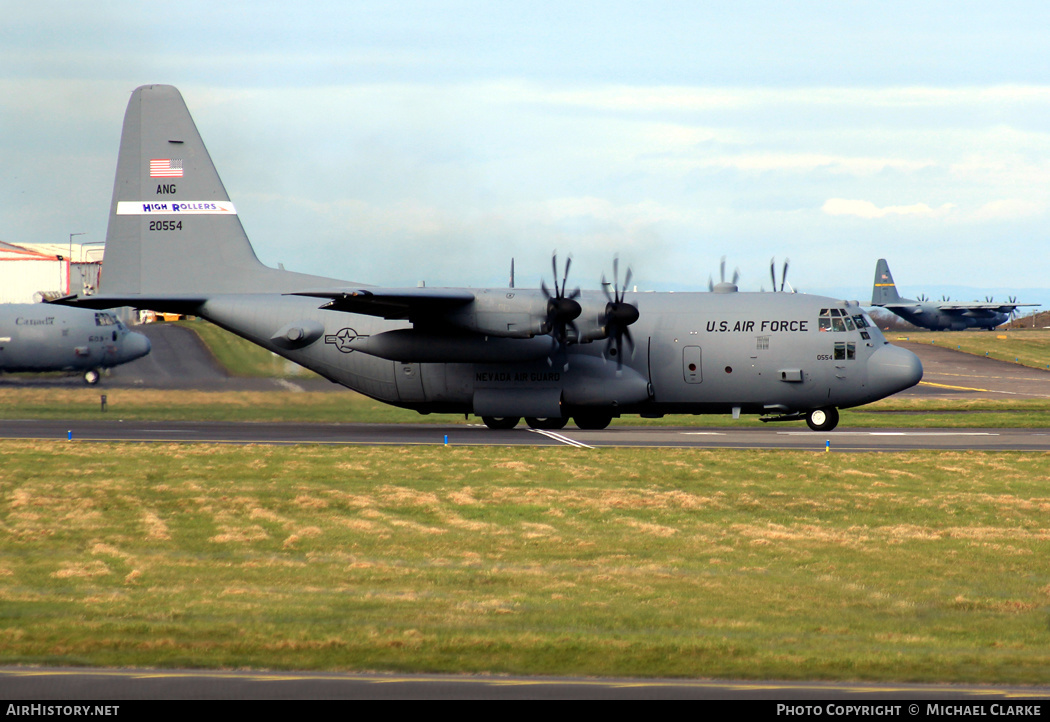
[552, 422]
[594, 420]
[501, 422]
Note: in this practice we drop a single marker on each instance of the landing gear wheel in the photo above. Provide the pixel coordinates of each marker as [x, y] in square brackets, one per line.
[501, 422]
[824, 419]
[551, 422]
[91, 376]
[592, 422]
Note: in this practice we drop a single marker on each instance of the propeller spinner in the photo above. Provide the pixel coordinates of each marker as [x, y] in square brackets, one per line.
[562, 309]
[723, 286]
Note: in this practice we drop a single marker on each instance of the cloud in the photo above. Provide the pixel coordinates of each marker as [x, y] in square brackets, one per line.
[1009, 209]
[867, 209]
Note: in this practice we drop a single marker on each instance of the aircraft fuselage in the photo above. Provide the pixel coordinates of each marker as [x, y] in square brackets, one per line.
[47, 337]
[691, 353]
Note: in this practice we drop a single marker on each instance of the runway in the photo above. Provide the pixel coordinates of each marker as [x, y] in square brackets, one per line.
[774, 437]
[37, 684]
[947, 373]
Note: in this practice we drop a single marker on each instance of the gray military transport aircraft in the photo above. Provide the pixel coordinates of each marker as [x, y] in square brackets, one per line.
[45, 337]
[944, 315]
[175, 243]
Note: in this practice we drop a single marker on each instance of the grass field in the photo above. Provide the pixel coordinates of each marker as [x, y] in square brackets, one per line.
[744, 564]
[1028, 347]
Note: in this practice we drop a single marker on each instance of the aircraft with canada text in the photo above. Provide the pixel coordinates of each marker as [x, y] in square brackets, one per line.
[548, 354]
[943, 315]
[45, 337]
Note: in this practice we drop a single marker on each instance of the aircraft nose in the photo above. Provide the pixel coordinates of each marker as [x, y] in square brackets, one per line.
[892, 369]
[136, 345]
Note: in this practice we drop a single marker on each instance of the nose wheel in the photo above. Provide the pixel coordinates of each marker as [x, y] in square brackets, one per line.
[824, 419]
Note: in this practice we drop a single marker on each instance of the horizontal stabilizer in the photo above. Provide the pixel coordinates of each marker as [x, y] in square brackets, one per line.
[177, 303]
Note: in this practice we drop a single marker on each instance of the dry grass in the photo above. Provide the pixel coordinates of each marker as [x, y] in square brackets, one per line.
[553, 561]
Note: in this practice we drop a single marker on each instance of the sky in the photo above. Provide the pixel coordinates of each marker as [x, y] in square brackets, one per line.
[398, 142]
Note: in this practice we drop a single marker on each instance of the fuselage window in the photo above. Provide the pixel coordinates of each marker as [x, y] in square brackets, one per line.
[845, 351]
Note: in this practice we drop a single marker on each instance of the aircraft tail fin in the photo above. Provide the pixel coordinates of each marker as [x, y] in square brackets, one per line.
[172, 227]
[883, 291]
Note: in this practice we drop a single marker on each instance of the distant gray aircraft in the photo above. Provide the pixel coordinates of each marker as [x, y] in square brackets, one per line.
[46, 337]
[944, 315]
[175, 244]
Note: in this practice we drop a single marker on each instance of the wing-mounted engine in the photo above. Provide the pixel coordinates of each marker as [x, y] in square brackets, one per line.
[483, 325]
[504, 313]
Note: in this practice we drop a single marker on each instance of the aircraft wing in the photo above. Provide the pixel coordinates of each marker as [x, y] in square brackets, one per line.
[393, 303]
[892, 306]
[964, 307]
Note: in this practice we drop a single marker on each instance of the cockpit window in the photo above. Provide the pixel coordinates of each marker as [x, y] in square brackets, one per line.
[106, 319]
[837, 319]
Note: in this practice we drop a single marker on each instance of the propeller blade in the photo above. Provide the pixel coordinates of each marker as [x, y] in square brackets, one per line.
[773, 272]
[784, 275]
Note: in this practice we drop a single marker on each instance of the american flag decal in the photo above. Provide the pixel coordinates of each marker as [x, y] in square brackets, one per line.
[165, 168]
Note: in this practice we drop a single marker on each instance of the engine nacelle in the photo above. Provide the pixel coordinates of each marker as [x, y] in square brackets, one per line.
[505, 313]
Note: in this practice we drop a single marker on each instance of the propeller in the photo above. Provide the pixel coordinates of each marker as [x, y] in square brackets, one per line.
[783, 275]
[562, 309]
[922, 297]
[945, 298]
[618, 314]
[1013, 311]
[722, 286]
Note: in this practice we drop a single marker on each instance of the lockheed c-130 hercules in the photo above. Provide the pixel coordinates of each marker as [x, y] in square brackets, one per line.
[175, 244]
[38, 337]
[943, 315]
